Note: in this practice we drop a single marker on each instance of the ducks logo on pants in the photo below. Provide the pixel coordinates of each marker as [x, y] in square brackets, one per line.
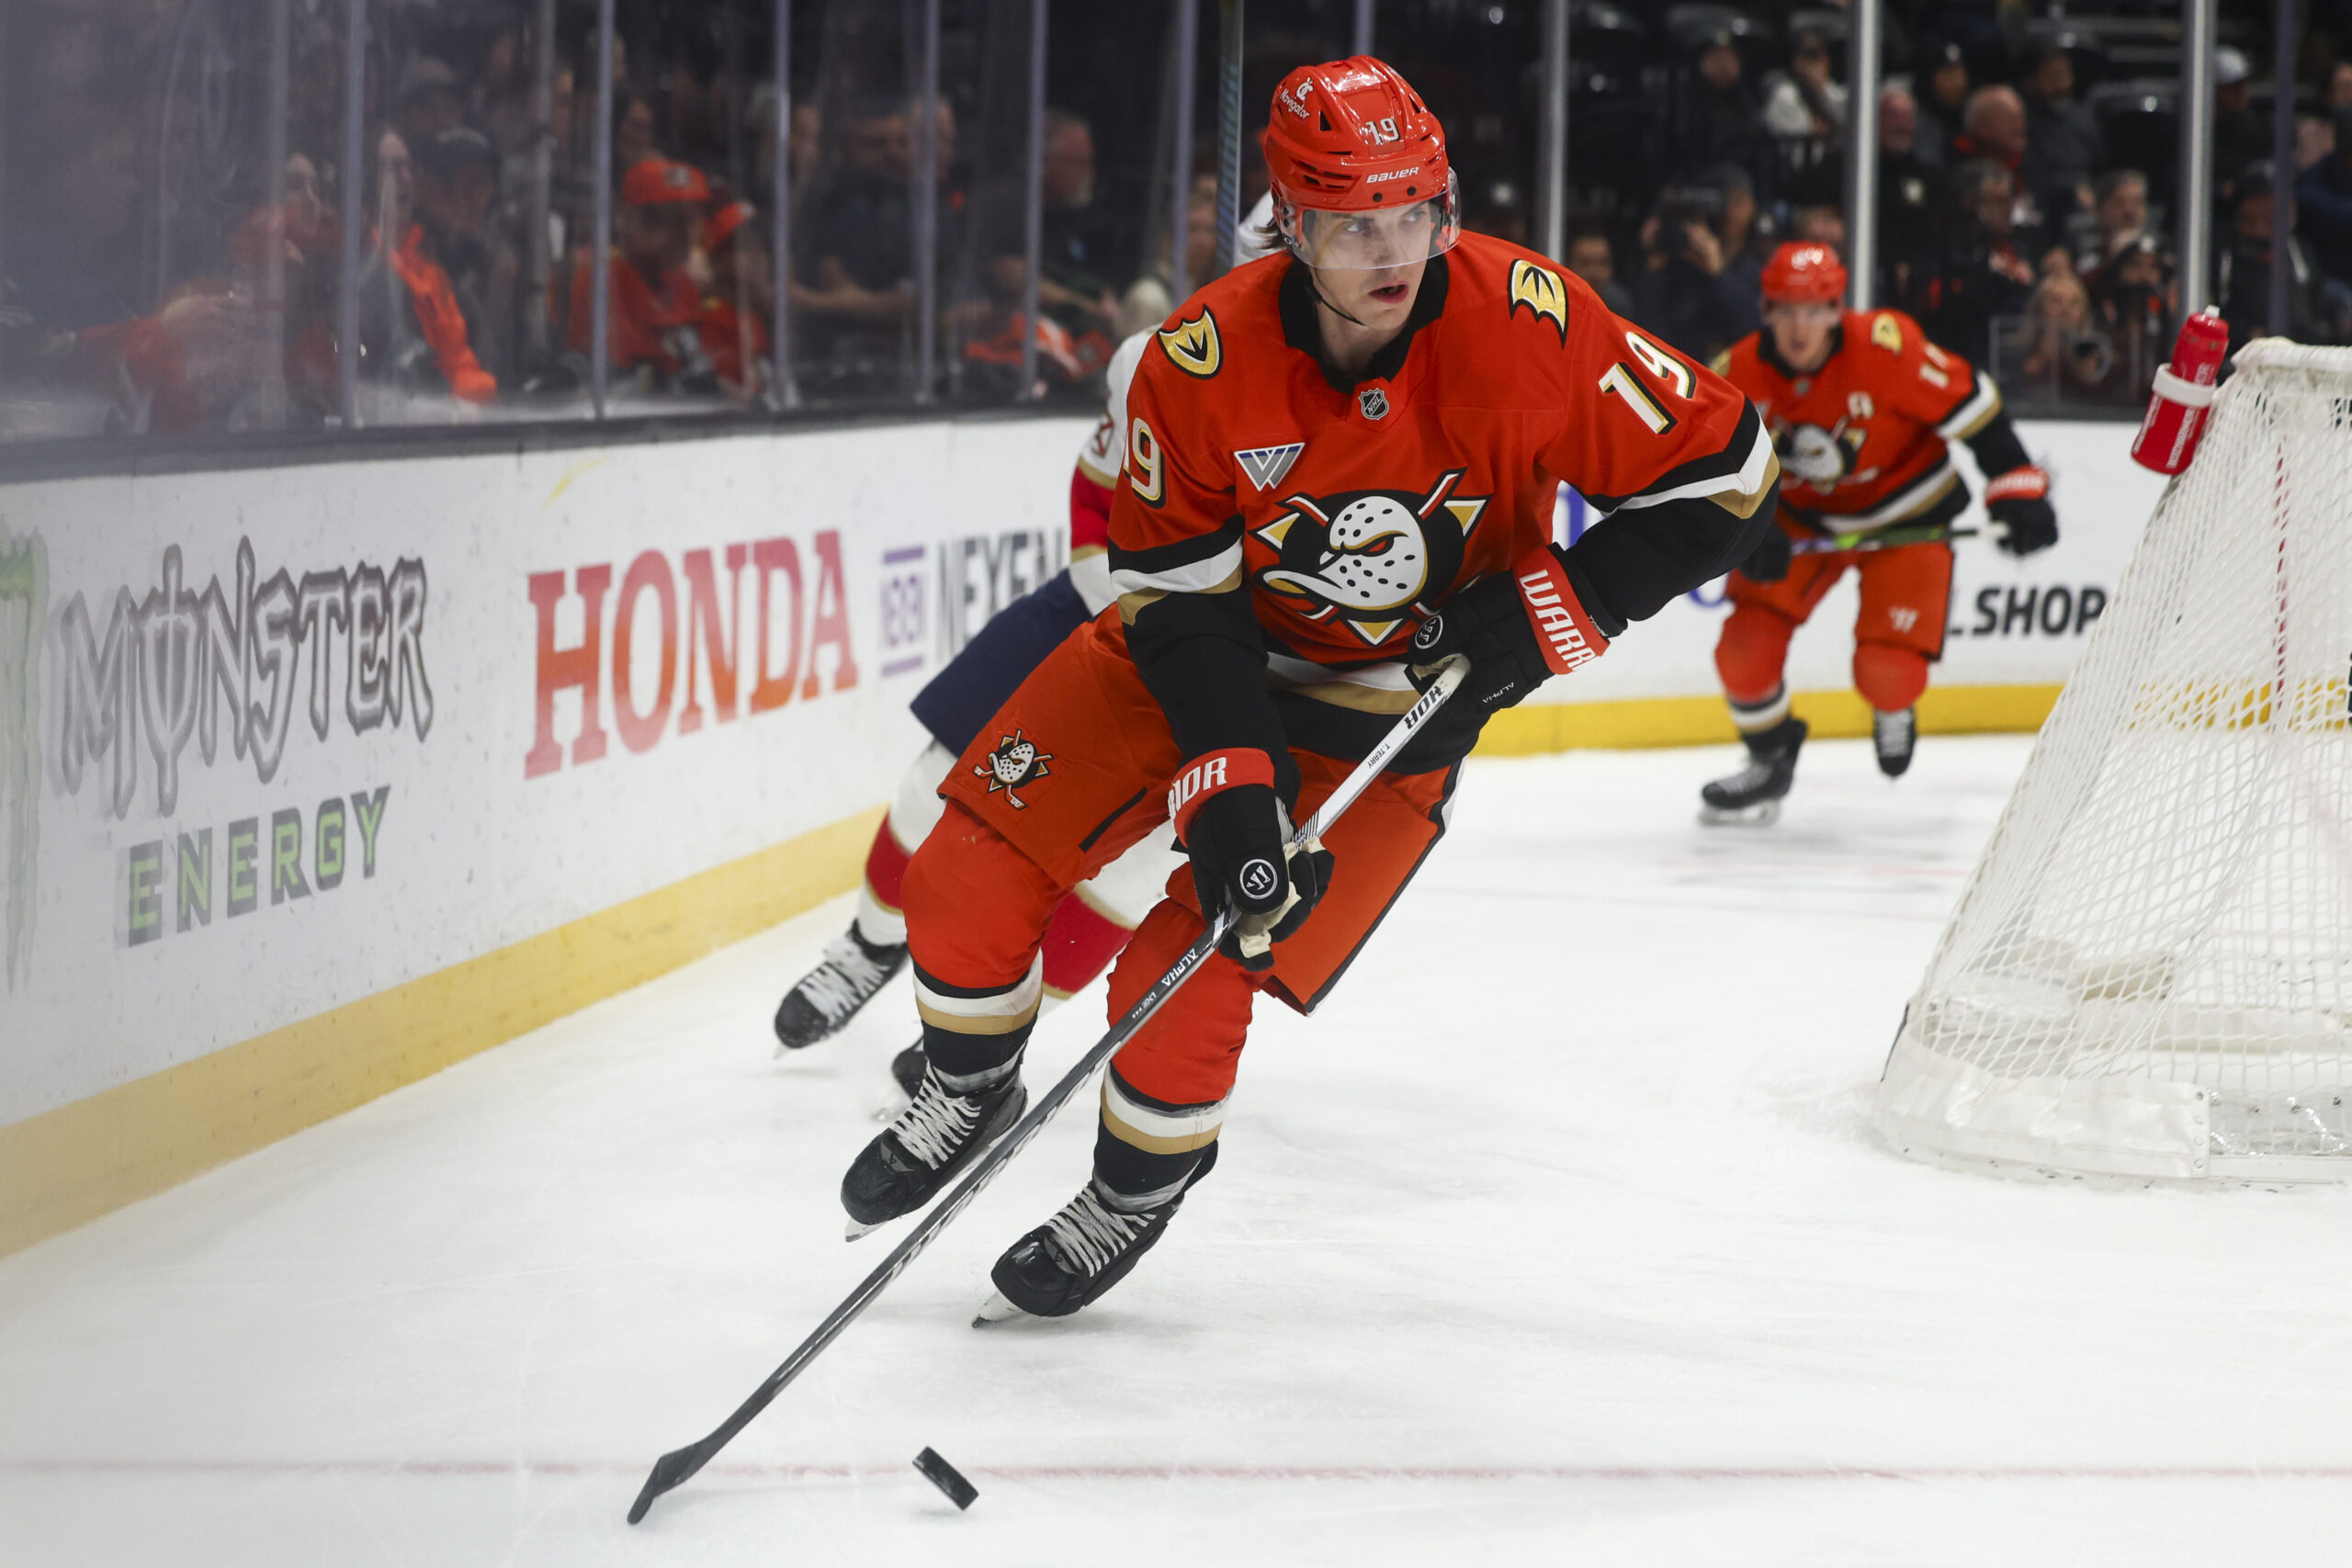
[1366, 557]
[1014, 764]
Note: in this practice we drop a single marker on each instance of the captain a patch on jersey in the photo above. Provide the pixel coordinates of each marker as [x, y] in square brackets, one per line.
[1367, 558]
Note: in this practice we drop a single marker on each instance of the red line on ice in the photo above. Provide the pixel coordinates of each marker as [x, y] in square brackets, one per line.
[1731, 1473]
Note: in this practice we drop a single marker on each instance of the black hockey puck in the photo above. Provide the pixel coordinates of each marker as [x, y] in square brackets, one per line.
[946, 1477]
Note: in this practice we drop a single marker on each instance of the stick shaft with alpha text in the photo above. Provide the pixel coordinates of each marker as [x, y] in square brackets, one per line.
[675, 1468]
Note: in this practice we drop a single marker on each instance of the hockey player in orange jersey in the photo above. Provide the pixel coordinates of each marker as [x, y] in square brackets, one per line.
[1861, 406]
[1340, 468]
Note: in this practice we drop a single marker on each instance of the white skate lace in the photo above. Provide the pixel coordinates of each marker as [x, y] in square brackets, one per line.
[841, 983]
[935, 1128]
[1748, 778]
[1091, 1233]
[1894, 730]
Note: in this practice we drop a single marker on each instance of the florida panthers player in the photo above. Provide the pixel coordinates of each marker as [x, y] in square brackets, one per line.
[1340, 466]
[1861, 405]
[1093, 923]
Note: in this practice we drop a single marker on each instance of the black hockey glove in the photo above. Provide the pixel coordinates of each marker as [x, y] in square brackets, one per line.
[1770, 560]
[1517, 627]
[1237, 830]
[2018, 503]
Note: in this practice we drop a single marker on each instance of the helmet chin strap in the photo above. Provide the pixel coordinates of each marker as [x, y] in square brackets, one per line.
[1313, 273]
[1315, 286]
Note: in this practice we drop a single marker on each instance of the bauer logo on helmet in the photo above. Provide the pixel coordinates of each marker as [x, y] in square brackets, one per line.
[1359, 169]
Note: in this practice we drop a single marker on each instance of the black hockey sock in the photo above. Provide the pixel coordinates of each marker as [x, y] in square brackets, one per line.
[974, 1036]
[1140, 1167]
[973, 1064]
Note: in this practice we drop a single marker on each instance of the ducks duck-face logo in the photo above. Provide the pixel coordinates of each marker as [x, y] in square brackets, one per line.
[1817, 456]
[1015, 764]
[1366, 557]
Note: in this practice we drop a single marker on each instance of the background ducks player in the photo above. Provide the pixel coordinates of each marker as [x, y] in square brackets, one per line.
[1861, 406]
[1248, 663]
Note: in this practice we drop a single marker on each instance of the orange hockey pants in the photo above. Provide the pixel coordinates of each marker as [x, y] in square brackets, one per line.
[983, 886]
[1898, 632]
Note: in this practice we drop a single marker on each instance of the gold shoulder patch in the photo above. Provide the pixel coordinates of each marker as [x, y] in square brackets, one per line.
[1720, 363]
[1542, 294]
[1887, 331]
[1192, 346]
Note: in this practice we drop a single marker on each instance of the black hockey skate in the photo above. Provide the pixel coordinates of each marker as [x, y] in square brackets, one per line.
[830, 994]
[932, 1139]
[1753, 794]
[1893, 735]
[1079, 1253]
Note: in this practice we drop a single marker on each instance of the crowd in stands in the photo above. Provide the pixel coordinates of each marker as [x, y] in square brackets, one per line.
[172, 263]
[162, 271]
[2025, 222]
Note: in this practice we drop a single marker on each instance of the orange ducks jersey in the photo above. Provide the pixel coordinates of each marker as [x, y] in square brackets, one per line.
[1862, 440]
[1348, 512]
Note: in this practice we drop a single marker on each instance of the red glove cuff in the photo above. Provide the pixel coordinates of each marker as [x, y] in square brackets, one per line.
[1213, 773]
[1564, 632]
[2027, 483]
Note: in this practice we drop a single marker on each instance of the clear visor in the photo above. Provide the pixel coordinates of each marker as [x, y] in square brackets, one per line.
[1804, 313]
[1371, 241]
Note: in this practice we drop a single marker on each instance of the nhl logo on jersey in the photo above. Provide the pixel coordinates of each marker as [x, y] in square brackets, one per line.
[1366, 557]
[1014, 764]
[1374, 402]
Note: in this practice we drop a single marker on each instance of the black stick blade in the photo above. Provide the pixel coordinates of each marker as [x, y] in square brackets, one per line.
[673, 1469]
[948, 1478]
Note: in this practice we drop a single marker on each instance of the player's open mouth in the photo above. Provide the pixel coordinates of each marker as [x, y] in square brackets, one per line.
[1389, 293]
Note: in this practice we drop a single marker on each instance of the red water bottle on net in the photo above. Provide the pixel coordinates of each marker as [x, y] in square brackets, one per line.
[2182, 394]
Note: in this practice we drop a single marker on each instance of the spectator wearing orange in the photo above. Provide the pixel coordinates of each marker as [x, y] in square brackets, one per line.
[654, 300]
[733, 319]
[413, 334]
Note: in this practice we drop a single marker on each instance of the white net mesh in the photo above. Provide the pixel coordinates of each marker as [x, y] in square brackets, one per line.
[2150, 972]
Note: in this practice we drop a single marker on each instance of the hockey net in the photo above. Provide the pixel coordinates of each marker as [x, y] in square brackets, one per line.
[2150, 974]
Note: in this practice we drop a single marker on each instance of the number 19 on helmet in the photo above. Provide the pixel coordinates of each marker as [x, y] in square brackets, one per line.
[1361, 179]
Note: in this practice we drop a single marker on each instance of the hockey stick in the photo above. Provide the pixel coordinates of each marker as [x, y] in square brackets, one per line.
[675, 1468]
[1894, 538]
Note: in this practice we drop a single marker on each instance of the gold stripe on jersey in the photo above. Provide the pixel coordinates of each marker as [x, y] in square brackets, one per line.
[1912, 499]
[1739, 493]
[1975, 412]
[1383, 688]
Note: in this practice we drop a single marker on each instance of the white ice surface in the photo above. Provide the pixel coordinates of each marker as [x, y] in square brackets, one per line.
[1560, 1235]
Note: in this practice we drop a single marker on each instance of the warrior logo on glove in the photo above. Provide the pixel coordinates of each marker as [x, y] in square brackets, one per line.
[1257, 879]
[1015, 764]
[1366, 557]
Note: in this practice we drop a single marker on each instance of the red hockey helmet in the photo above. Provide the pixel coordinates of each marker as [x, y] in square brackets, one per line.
[1358, 164]
[1804, 272]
